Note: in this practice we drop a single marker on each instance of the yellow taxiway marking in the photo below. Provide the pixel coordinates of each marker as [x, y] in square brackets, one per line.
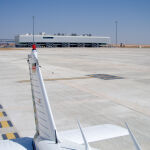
[4, 124]
[1, 114]
[10, 136]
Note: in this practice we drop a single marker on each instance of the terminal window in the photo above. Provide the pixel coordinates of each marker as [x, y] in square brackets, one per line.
[48, 37]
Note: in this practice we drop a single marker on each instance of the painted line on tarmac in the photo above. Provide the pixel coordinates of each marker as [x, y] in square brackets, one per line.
[55, 79]
[2, 114]
[7, 129]
[10, 136]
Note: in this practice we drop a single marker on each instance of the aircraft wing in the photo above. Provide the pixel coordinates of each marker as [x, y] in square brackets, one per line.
[94, 133]
[10, 145]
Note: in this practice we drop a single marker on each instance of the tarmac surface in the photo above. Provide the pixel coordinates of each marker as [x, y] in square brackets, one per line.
[92, 85]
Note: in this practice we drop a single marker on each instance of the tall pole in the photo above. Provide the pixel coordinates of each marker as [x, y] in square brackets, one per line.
[116, 23]
[33, 29]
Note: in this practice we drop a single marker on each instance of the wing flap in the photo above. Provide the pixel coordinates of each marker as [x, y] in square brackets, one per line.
[94, 133]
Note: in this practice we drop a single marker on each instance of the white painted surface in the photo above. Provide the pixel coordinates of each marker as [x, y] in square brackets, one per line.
[94, 133]
[10, 145]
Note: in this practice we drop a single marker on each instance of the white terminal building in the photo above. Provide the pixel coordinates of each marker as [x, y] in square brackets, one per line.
[61, 40]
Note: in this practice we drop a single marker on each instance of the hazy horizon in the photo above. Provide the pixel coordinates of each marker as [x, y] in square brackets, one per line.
[75, 16]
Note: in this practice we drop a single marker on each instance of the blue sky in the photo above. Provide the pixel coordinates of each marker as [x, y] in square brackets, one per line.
[78, 16]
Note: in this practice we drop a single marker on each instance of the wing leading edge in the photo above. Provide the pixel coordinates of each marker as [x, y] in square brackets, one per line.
[137, 146]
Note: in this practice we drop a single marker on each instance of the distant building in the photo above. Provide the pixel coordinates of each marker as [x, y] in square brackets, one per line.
[7, 43]
[61, 40]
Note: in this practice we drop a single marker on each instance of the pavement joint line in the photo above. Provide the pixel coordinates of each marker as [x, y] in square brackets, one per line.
[7, 130]
[116, 101]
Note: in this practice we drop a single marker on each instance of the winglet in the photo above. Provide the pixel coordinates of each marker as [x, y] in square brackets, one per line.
[87, 147]
[45, 124]
[133, 138]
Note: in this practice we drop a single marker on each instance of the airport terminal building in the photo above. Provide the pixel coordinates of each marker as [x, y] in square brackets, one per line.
[43, 40]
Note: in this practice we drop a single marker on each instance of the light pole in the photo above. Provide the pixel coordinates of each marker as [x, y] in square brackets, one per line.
[33, 28]
[116, 24]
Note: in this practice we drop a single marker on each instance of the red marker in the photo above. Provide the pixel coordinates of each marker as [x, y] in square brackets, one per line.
[33, 47]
